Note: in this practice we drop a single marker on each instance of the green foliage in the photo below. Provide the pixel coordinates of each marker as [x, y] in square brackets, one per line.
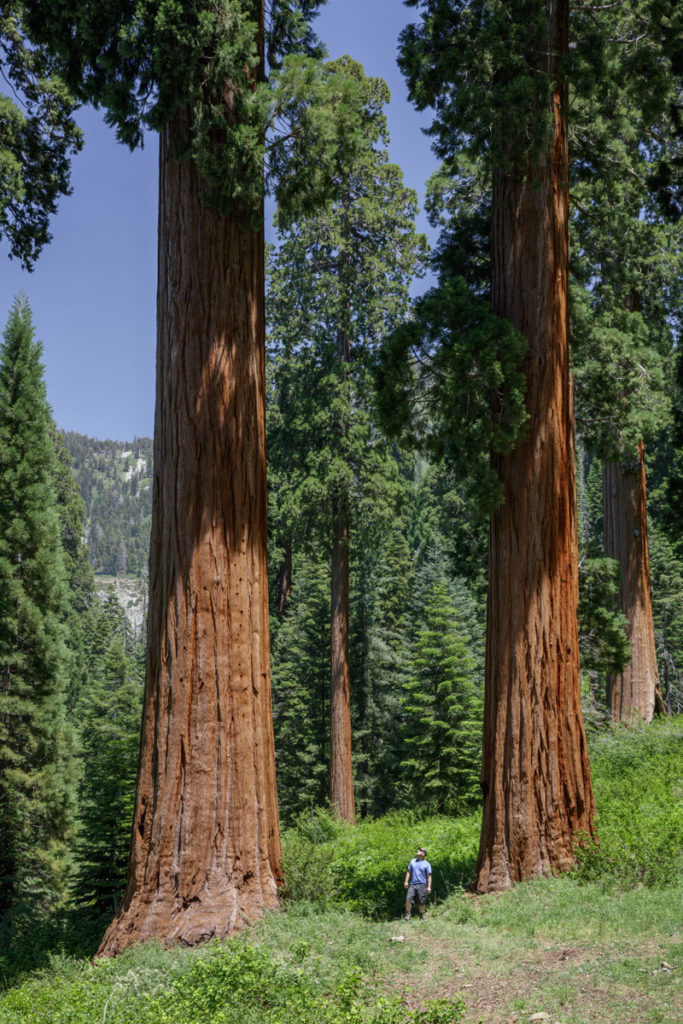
[330, 118]
[671, 511]
[148, 61]
[621, 386]
[602, 627]
[393, 576]
[202, 65]
[381, 631]
[300, 679]
[109, 711]
[442, 713]
[337, 283]
[666, 570]
[362, 867]
[441, 1011]
[479, 65]
[309, 964]
[450, 378]
[37, 137]
[115, 481]
[446, 528]
[37, 766]
[72, 519]
[230, 983]
[638, 782]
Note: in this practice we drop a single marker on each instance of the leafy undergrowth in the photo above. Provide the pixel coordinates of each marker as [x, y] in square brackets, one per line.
[603, 946]
[638, 782]
[577, 952]
[334, 864]
[233, 982]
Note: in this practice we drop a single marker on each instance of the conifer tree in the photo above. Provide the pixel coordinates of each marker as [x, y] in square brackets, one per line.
[667, 608]
[205, 852]
[37, 137]
[672, 517]
[381, 634]
[110, 715]
[37, 767]
[79, 572]
[301, 667]
[622, 321]
[442, 714]
[496, 75]
[338, 281]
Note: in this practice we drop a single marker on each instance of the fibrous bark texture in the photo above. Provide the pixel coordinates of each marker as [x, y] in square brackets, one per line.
[633, 693]
[535, 775]
[342, 797]
[205, 855]
[341, 772]
[285, 578]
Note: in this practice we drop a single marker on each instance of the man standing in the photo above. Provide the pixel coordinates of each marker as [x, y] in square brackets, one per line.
[418, 882]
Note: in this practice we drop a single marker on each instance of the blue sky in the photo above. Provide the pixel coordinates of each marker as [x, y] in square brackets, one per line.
[93, 289]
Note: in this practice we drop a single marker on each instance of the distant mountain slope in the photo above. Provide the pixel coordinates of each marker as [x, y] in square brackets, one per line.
[115, 481]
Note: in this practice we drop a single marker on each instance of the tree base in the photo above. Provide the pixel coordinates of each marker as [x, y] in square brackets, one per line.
[216, 916]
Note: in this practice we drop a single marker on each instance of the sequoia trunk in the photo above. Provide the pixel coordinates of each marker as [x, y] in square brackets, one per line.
[205, 855]
[341, 772]
[285, 578]
[341, 767]
[535, 775]
[633, 693]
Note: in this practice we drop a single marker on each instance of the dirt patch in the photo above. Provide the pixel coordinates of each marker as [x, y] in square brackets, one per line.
[570, 983]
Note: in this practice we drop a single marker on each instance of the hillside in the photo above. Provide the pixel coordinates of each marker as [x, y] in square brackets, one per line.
[115, 481]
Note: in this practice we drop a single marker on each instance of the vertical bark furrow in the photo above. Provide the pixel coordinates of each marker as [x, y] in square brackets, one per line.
[631, 694]
[535, 779]
[205, 854]
[342, 795]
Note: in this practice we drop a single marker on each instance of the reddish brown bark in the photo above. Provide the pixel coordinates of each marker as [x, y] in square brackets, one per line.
[205, 855]
[535, 775]
[341, 772]
[633, 693]
[342, 796]
[285, 579]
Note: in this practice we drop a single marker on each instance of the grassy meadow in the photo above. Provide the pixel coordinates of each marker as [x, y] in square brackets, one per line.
[603, 945]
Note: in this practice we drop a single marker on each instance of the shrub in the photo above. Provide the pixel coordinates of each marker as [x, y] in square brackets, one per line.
[362, 867]
[638, 782]
[226, 983]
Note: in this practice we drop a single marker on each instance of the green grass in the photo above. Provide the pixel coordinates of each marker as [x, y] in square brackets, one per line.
[638, 783]
[335, 864]
[603, 945]
[570, 949]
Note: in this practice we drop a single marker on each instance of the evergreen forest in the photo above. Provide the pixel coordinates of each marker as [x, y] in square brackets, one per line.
[402, 566]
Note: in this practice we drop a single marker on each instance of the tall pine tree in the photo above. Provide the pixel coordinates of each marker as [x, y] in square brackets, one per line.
[442, 713]
[37, 767]
[338, 281]
[109, 710]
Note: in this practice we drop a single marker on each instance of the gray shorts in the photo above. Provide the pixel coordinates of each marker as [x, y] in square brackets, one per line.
[417, 892]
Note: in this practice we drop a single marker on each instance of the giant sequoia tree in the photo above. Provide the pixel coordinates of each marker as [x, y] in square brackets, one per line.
[338, 282]
[205, 852]
[495, 74]
[627, 143]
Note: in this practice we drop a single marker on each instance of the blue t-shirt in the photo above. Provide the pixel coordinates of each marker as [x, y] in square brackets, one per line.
[419, 870]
